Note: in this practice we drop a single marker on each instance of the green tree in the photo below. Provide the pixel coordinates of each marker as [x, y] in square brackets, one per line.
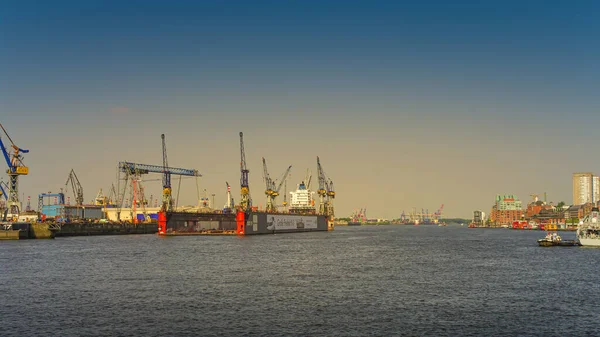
[560, 204]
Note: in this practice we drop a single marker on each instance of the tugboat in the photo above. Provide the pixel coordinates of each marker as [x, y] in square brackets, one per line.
[553, 239]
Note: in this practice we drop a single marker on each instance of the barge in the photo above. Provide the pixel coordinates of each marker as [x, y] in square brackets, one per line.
[240, 223]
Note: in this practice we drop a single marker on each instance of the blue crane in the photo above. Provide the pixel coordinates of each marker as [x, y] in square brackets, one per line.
[16, 168]
[3, 188]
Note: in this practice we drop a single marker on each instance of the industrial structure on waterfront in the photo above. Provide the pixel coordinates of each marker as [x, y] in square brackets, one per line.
[423, 217]
[128, 202]
[302, 215]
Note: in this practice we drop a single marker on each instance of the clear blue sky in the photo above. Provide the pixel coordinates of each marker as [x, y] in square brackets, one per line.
[407, 104]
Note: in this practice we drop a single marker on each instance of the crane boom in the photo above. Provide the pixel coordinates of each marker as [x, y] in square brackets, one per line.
[3, 188]
[283, 179]
[6, 155]
[133, 168]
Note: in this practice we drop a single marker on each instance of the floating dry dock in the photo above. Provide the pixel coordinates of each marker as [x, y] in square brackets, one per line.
[26, 230]
[240, 223]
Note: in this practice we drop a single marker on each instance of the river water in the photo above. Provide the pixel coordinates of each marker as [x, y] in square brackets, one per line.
[355, 281]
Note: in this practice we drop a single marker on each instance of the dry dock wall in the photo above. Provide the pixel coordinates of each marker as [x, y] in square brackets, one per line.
[183, 222]
[86, 229]
[268, 223]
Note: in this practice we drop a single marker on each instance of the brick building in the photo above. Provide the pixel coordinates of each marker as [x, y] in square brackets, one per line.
[508, 208]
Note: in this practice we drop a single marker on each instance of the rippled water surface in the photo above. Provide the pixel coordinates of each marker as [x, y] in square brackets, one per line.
[355, 281]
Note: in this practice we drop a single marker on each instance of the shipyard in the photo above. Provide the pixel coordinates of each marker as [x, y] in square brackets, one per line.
[127, 210]
[299, 168]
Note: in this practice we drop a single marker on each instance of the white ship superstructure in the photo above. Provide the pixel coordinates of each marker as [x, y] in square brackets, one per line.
[588, 230]
[302, 201]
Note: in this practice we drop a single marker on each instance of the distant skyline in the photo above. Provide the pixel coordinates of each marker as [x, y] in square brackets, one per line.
[407, 104]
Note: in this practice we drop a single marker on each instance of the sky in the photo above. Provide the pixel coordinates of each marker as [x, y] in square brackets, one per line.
[408, 104]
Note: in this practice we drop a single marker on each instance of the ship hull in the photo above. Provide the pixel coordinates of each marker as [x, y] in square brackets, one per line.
[589, 242]
[252, 223]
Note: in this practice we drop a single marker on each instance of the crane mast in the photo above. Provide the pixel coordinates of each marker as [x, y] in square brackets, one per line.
[167, 201]
[246, 200]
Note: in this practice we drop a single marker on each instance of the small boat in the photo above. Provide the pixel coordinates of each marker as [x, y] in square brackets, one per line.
[546, 243]
[555, 240]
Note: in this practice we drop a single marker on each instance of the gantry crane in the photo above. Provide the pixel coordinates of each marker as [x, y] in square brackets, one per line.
[16, 168]
[133, 171]
[246, 200]
[76, 186]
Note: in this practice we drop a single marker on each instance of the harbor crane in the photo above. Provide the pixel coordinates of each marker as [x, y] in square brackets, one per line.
[246, 200]
[326, 192]
[272, 191]
[281, 182]
[167, 200]
[16, 168]
[269, 186]
[76, 186]
[438, 215]
[133, 171]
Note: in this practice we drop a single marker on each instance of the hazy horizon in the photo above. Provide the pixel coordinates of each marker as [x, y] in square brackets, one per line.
[407, 105]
